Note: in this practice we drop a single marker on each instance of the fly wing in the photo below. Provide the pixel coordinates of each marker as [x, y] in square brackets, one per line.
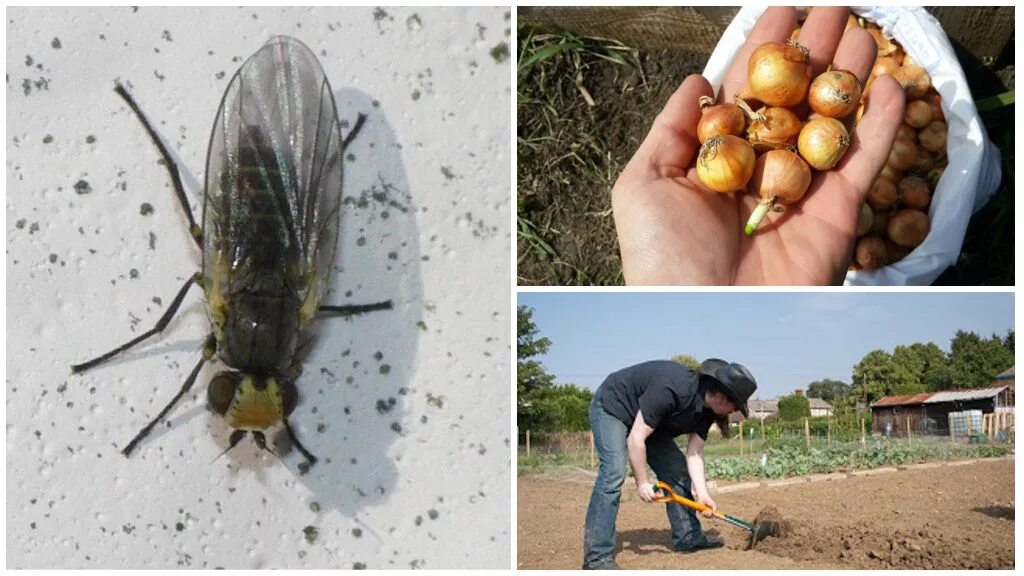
[273, 180]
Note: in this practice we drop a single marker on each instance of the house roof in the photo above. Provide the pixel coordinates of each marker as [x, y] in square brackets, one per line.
[1007, 375]
[962, 395]
[818, 403]
[763, 405]
[902, 400]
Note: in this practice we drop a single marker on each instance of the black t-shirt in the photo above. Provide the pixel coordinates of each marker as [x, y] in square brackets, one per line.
[668, 393]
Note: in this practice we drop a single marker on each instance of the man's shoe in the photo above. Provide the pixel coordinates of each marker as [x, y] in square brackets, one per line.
[606, 565]
[704, 543]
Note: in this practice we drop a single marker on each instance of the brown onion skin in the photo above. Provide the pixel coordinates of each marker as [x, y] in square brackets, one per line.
[902, 155]
[908, 227]
[891, 174]
[883, 194]
[924, 162]
[918, 114]
[933, 137]
[914, 193]
[721, 120]
[907, 132]
[779, 129]
[880, 224]
[778, 74]
[915, 81]
[885, 65]
[835, 93]
[822, 142]
[871, 253]
[726, 163]
[935, 102]
[895, 251]
[780, 177]
[865, 220]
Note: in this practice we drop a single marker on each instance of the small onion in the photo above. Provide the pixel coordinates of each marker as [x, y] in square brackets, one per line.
[725, 163]
[924, 161]
[891, 174]
[883, 194]
[908, 227]
[933, 137]
[719, 119]
[780, 177]
[835, 94]
[935, 103]
[778, 74]
[865, 219]
[914, 192]
[880, 223]
[778, 129]
[885, 65]
[918, 113]
[902, 155]
[886, 47]
[895, 251]
[871, 253]
[907, 131]
[915, 81]
[933, 177]
[822, 142]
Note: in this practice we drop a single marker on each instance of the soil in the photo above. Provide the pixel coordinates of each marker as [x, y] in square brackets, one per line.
[943, 517]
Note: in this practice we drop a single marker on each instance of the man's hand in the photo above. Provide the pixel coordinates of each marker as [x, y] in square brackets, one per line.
[645, 491]
[707, 501]
[673, 230]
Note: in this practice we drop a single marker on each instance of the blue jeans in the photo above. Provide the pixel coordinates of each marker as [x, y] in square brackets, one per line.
[668, 463]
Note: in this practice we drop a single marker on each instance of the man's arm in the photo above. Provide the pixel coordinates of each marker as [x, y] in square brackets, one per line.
[636, 444]
[695, 467]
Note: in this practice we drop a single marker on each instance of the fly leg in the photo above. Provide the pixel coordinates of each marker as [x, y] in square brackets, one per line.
[208, 351]
[360, 120]
[294, 440]
[172, 166]
[355, 309]
[160, 325]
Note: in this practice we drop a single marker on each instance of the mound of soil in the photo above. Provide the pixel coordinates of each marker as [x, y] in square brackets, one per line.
[947, 517]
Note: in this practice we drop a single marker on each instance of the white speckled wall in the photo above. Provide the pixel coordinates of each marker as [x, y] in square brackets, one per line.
[409, 409]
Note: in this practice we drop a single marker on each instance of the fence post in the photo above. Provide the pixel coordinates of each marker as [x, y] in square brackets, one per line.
[807, 432]
[591, 449]
[829, 429]
[863, 438]
[527, 443]
[910, 442]
[741, 438]
[762, 433]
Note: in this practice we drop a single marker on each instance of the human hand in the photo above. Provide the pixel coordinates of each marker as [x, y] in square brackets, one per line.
[673, 230]
[707, 501]
[645, 490]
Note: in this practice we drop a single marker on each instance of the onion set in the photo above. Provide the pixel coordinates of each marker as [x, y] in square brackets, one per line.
[780, 177]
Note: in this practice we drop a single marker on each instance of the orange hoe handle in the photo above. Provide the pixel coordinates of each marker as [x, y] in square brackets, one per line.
[671, 496]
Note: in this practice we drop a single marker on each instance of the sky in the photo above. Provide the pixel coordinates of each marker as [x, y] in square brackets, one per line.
[786, 339]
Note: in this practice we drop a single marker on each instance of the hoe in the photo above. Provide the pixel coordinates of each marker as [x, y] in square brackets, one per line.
[766, 525]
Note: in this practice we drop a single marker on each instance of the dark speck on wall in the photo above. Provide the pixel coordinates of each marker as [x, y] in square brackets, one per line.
[82, 187]
[90, 139]
[133, 274]
[146, 209]
[500, 52]
[28, 60]
[166, 35]
[432, 514]
[448, 174]
[179, 527]
[47, 139]
[359, 566]
[55, 43]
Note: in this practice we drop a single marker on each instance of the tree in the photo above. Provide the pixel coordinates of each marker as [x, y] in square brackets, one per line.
[975, 361]
[1008, 342]
[687, 360]
[828, 390]
[530, 374]
[794, 408]
[907, 371]
[873, 375]
[561, 408]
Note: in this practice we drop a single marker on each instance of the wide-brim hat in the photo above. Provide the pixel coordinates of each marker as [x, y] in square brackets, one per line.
[735, 380]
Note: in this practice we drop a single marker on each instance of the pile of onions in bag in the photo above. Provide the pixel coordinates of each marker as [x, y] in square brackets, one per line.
[894, 219]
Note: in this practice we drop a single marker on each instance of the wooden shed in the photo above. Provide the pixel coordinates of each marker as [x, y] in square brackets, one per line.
[892, 414]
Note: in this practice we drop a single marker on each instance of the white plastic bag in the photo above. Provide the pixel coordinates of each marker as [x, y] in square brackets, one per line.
[974, 171]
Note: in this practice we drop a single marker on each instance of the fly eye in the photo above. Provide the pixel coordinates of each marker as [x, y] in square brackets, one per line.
[221, 392]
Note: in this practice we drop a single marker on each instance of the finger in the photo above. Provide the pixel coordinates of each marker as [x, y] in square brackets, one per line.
[671, 144]
[821, 33]
[775, 25]
[873, 138]
[856, 53]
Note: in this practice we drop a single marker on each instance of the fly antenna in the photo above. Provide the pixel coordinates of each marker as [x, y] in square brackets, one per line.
[236, 437]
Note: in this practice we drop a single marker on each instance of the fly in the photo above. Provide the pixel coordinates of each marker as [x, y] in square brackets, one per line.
[271, 215]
